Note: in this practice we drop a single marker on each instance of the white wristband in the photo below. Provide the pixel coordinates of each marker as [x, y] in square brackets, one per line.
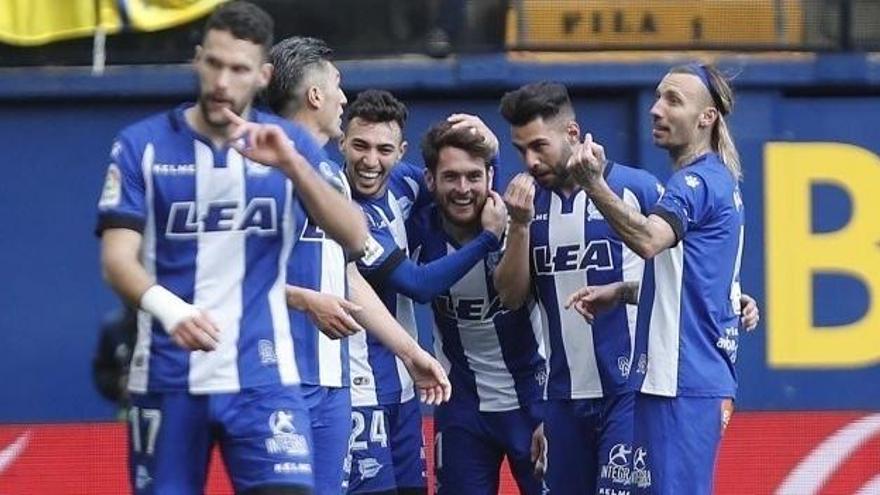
[166, 307]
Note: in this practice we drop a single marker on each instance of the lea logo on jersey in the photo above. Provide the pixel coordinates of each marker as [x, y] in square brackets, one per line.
[185, 221]
[570, 257]
[468, 308]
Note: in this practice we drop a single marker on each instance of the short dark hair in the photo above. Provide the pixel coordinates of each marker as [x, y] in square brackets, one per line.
[375, 106]
[542, 99]
[245, 21]
[442, 134]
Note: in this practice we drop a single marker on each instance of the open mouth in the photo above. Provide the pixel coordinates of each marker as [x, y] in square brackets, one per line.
[368, 175]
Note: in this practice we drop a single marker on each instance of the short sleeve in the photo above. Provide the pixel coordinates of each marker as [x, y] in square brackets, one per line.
[381, 254]
[122, 202]
[684, 203]
[649, 191]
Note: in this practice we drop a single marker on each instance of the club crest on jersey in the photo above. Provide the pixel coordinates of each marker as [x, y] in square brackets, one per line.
[111, 194]
[185, 221]
[623, 365]
[369, 468]
[570, 257]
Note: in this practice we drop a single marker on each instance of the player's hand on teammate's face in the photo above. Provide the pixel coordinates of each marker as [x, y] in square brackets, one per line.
[538, 452]
[476, 126]
[750, 314]
[429, 377]
[196, 333]
[587, 161]
[264, 143]
[494, 214]
[332, 315]
[520, 199]
[593, 299]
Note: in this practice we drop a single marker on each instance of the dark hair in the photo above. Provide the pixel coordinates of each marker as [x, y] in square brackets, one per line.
[375, 106]
[245, 21]
[442, 134]
[293, 59]
[542, 99]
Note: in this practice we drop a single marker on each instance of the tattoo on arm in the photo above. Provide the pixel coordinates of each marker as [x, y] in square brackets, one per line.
[630, 292]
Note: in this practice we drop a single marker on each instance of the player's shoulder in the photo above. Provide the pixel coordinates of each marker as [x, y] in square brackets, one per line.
[630, 176]
[708, 171]
[153, 126]
[406, 179]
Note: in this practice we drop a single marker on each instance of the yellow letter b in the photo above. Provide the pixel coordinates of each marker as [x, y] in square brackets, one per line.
[795, 253]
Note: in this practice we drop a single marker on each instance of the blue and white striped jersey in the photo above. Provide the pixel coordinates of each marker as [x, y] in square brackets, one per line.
[217, 230]
[321, 360]
[493, 356]
[571, 246]
[689, 303]
[377, 376]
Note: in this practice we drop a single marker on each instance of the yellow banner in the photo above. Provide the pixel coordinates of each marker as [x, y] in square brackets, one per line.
[37, 22]
[647, 23]
[153, 15]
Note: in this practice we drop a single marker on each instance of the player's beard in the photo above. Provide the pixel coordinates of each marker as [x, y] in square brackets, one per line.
[473, 222]
[560, 170]
[216, 119]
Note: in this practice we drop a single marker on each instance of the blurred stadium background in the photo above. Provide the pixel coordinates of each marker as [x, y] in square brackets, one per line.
[807, 126]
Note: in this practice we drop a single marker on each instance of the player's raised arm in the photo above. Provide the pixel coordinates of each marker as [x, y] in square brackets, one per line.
[268, 144]
[512, 276]
[423, 283]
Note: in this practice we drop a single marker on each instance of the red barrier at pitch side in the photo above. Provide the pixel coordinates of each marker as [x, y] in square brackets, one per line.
[785, 453]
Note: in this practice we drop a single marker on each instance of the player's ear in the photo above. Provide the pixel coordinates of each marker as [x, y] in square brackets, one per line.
[573, 132]
[314, 96]
[266, 71]
[403, 145]
[708, 117]
[490, 174]
[197, 54]
[429, 180]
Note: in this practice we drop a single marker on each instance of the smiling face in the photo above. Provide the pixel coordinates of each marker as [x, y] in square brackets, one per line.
[679, 113]
[231, 71]
[460, 184]
[545, 147]
[371, 150]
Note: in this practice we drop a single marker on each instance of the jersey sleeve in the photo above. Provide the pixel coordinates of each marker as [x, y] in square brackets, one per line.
[122, 203]
[414, 177]
[648, 191]
[381, 256]
[685, 203]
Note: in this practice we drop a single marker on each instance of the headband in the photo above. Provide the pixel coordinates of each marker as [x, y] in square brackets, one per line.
[700, 71]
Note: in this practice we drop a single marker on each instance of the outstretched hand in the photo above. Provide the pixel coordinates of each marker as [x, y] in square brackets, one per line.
[430, 378]
[593, 299]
